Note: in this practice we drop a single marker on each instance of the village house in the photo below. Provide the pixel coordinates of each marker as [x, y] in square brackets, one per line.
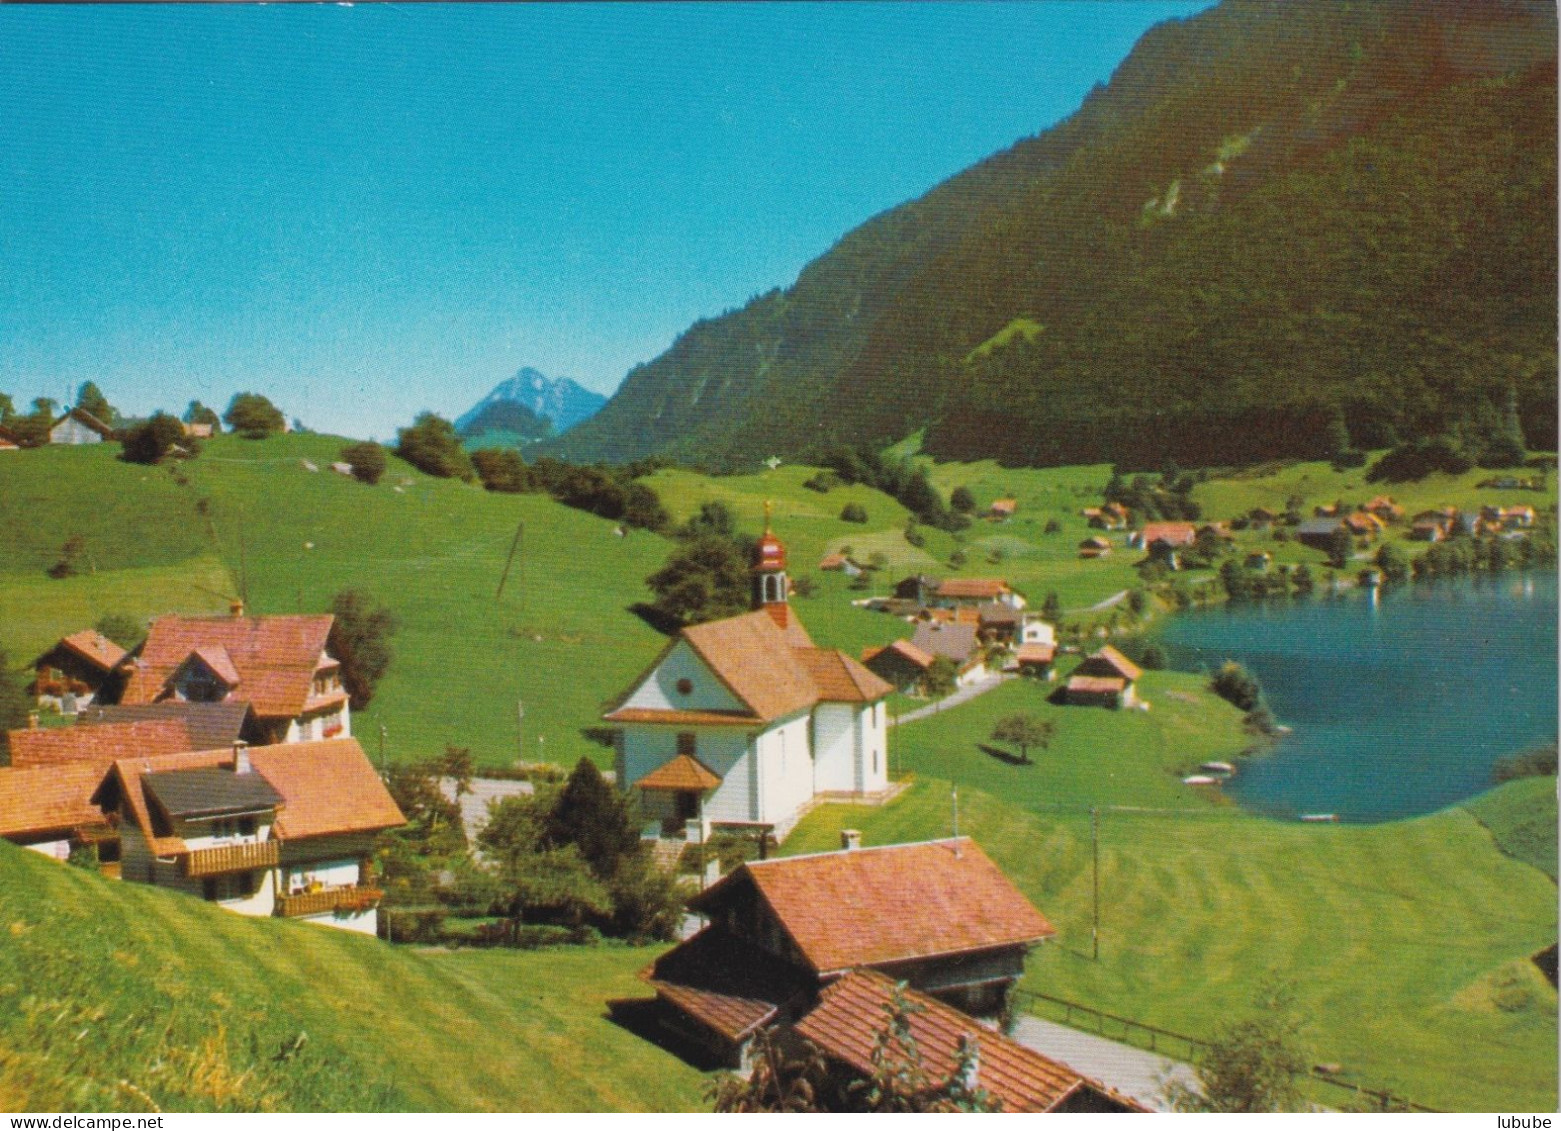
[1094, 547]
[847, 1023]
[899, 663]
[1036, 660]
[1318, 533]
[1105, 679]
[209, 725]
[839, 563]
[1111, 516]
[1385, 508]
[78, 426]
[938, 915]
[1002, 510]
[277, 664]
[76, 671]
[918, 588]
[98, 745]
[48, 808]
[743, 722]
[960, 643]
[957, 591]
[1364, 524]
[273, 830]
[197, 431]
[1164, 541]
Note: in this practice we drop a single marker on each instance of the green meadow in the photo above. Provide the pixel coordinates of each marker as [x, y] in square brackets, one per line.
[119, 997]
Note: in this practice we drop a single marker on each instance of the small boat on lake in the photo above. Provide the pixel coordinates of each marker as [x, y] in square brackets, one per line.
[1225, 768]
[1202, 779]
[1319, 818]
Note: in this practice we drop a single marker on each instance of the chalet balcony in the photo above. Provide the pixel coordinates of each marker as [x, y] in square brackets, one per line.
[232, 858]
[331, 900]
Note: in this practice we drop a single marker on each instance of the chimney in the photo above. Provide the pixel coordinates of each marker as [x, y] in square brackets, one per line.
[236, 608]
[850, 840]
[241, 762]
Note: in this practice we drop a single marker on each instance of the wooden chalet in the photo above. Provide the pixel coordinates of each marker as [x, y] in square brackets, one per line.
[77, 671]
[847, 1023]
[1105, 679]
[938, 915]
[1094, 547]
[1036, 660]
[960, 643]
[274, 830]
[900, 663]
[277, 664]
[956, 591]
[1002, 510]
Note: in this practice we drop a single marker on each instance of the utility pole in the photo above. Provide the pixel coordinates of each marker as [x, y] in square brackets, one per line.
[520, 729]
[520, 529]
[381, 749]
[954, 793]
[1094, 830]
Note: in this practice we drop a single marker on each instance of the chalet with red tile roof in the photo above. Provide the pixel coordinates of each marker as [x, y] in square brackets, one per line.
[1002, 510]
[49, 808]
[1105, 679]
[277, 664]
[770, 721]
[957, 591]
[781, 930]
[77, 671]
[98, 745]
[852, 1012]
[275, 830]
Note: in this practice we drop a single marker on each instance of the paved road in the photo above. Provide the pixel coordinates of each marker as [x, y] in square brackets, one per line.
[1102, 606]
[1131, 1071]
[964, 694]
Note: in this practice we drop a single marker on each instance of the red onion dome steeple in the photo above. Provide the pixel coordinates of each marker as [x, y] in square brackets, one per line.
[769, 574]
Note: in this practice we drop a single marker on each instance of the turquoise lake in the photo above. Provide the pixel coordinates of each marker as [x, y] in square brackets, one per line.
[1400, 703]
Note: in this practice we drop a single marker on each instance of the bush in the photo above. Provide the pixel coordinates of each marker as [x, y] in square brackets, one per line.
[1053, 526]
[155, 438]
[1152, 658]
[1348, 458]
[823, 482]
[1237, 686]
[853, 512]
[1530, 764]
[962, 500]
[501, 469]
[431, 445]
[367, 461]
[254, 417]
[1419, 458]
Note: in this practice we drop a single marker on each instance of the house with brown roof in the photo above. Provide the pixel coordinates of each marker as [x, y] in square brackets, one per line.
[277, 664]
[76, 671]
[1002, 510]
[900, 663]
[958, 642]
[847, 1024]
[1105, 679]
[209, 725]
[957, 591]
[938, 915]
[98, 745]
[273, 830]
[78, 426]
[743, 722]
[49, 808]
[1094, 547]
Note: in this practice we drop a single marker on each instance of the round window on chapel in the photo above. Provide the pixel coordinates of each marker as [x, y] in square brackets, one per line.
[685, 686]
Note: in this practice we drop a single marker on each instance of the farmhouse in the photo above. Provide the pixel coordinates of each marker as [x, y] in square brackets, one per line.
[1318, 533]
[839, 563]
[1105, 679]
[275, 830]
[277, 664]
[958, 591]
[939, 915]
[1094, 547]
[1036, 660]
[850, 1016]
[49, 808]
[1002, 510]
[960, 643]
[742, 722]
[900, 663]
[78, 426]
[72, 674]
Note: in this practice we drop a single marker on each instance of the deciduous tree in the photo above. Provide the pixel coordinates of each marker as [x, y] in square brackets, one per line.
[254, 417]
[366, 459]
[360, 641]
[1024, 731]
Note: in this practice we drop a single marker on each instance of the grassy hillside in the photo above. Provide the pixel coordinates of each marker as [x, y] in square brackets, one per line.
[117, 997]
[1521, 818]
[1425, 923]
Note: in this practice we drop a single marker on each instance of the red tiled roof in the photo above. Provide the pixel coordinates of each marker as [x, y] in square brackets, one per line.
[1171, 533]
[1108, 661]
[1036, 653]
[882, 905]
[685, 772]
[832, 561]
[725, 983]
[99, 745]
[275, 658]
[35, 800]
[853, 1011]
[988, 588]
[673, 717]
[95, 648]
[328, 787]
[217, 659]
[840, 679]
[917, 656]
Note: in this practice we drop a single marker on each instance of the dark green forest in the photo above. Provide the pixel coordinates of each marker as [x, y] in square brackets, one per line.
[1275, 216]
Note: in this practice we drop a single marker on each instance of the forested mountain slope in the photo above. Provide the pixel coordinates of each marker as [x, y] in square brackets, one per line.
[1273, 212]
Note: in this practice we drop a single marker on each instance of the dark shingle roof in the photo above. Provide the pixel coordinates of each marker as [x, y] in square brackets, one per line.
[210, 792]
[210, 725]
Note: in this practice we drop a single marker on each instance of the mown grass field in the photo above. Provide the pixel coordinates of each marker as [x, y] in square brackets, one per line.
[117, 996]
[1407, 943]
[1097, 757]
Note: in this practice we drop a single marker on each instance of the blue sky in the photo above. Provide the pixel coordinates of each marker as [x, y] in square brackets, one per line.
[365, 211]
